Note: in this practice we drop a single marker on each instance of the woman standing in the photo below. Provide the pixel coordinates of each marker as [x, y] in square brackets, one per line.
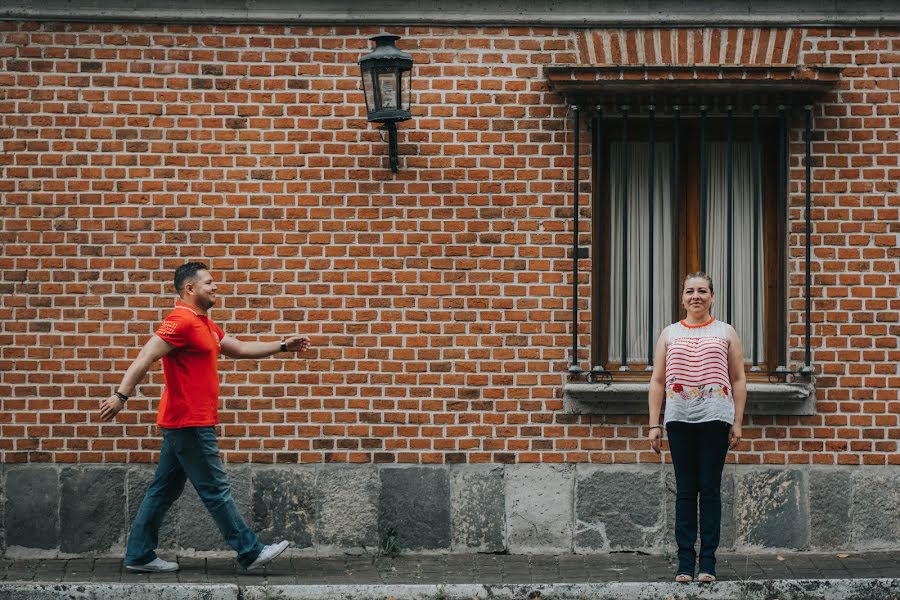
[699, 367]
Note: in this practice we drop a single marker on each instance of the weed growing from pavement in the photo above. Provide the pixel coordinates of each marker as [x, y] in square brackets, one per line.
[389, 545]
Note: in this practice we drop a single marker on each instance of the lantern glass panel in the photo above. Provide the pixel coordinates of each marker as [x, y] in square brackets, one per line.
[369, 90]
[407, 86]
[387, 87]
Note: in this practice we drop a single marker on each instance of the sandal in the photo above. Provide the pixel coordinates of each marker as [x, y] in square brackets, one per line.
[706, 578]
[683, 578]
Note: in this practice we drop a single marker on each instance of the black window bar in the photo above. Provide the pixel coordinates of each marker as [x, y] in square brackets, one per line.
[757, 202]
[704, 200]
[624, 339]
[598, 372]
[807, 370]
[676, 186]
[781, 369]
[729, 248]
[574, 369]
[651, 168]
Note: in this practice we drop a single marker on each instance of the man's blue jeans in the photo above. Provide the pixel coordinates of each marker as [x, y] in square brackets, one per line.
[698, 457]
[189, 453]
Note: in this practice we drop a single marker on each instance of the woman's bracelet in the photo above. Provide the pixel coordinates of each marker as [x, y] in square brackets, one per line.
[654, 427]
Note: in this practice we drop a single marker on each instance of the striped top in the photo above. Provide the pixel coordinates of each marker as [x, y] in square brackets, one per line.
[698, 387]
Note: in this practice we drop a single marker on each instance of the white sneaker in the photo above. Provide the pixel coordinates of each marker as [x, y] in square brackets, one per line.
[268, 553]
[157, 565]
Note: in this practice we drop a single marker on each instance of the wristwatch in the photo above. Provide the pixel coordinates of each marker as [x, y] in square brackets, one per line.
[283, 347]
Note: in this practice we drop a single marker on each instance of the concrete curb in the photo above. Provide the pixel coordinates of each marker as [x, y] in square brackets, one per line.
[118, 591]
[806, 589]
[783, 589]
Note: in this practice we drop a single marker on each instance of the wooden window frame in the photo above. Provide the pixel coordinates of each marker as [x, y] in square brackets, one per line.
[689, 252]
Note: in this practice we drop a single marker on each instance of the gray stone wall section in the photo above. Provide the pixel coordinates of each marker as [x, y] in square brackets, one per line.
[92, 503]
[195, 528]
[32, 507]
[2, 509]
[137, 480]
[619, 509]
[668, 541]
[477, 508]
[526, 508]
[830, 500]
[284, 505]
[539, 508]
[875, 508]
[347, 508]
[728, 535]
[414, 508]
[772, 511]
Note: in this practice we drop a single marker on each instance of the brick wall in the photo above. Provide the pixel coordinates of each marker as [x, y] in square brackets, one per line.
[437, 299]
[855, 254]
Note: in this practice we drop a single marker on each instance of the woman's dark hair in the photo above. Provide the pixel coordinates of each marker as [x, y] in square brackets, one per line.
[186, 272]
[701, 275]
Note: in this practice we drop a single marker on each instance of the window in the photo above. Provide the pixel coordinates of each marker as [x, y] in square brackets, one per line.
[716, 181]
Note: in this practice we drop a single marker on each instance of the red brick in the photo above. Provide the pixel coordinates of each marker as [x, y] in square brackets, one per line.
[436, 297]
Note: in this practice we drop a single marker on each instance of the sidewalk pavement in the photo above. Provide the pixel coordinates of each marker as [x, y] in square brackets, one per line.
[794, 576]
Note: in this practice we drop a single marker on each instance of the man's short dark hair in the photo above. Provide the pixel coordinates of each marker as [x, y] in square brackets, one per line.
[186, 272]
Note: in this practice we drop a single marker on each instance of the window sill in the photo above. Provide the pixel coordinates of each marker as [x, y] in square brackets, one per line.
[631, 398]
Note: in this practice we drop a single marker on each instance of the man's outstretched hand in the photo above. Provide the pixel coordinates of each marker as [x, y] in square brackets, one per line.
[297, 343]
[110, 407]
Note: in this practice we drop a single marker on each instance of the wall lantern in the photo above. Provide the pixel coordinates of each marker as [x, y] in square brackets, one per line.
[387, 74]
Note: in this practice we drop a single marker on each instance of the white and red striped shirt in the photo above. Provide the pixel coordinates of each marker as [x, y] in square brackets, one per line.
[698, 387]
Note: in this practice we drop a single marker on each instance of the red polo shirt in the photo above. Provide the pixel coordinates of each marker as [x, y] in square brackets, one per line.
[191, 394]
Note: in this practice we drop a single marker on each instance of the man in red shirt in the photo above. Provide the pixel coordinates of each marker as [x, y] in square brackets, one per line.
[189, 344]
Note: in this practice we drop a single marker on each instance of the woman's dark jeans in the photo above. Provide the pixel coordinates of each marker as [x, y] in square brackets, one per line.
[698, 455]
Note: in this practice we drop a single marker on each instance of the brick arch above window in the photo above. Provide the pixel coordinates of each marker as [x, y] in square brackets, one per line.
[735, 46]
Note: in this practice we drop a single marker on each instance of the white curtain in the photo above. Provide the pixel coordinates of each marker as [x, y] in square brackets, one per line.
[637, 254]
[741, 240]
[637, 259]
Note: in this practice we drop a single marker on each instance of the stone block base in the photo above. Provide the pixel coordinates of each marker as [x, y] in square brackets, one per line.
[51, 510]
